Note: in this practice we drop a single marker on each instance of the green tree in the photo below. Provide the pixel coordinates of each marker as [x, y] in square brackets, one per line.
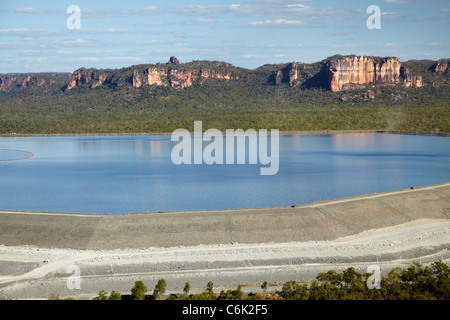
[237, 294]
[325, 291]
[187, 288]
[138, 291]
[441, 286]
[160, 289]
[209, 289]
[101, 295]
[115, 296]
[264, 286]
[291, 290]
[225, 295]
[331, 277]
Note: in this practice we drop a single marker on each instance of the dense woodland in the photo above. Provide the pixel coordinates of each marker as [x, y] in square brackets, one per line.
[252, 101]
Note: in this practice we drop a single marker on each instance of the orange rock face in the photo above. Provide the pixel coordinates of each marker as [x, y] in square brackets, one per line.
[179, 78]
[289, 75]
[440, 67]
[156, 77]
[20, 81]
[78, 77]
[356, 72]
[6, 83]
[410, 81]
[83, 76]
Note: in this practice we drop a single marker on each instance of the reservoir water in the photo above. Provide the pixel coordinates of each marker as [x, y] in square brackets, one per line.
[126, 174]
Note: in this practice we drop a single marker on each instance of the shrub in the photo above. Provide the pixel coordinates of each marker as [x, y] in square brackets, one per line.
[138, 291]
[115, 296]
[160, 289]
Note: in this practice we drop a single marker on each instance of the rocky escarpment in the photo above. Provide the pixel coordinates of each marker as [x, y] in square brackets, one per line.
[14, 82]
[440, 67]
[171, 74]
[84, 76]
[355, 72]
[297, 74]
[177, 78]
[337, 73]
[9, 83]
[289, 75]
[341, 73]
[409, 80]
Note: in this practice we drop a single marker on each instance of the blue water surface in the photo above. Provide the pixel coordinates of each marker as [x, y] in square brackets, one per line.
[127, 174]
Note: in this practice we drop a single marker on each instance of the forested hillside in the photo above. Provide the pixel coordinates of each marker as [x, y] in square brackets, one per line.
[41, 103]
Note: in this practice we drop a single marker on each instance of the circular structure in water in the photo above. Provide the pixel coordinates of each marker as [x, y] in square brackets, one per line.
[15, 155]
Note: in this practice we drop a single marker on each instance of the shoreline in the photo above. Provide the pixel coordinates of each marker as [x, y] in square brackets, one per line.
[311, 132]
[318, 221]
[306, 205]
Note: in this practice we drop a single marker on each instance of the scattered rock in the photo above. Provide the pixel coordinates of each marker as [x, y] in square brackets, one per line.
[440, 67]
[369, 95]
[173, 60]
[345, 97]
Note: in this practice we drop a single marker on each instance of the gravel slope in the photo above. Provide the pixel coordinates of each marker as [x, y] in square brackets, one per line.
[228, 247]
[226, 265]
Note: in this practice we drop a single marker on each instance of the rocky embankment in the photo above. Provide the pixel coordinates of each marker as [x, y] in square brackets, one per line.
[229, 247]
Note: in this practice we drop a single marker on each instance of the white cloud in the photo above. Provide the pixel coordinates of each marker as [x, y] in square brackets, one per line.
[152, 42]
[89, 13]
[392, 15]
[394, 45]
[251, 56]
[102, 31]
[409, 1]
[25, 32]
[397, 1]
[143, 11]
[151, 24]
[75, 43]
[28, 10]
[199, 21]
[275, 23]
[272, 11]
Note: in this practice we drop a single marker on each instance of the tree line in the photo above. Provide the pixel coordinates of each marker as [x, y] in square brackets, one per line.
[417, 282]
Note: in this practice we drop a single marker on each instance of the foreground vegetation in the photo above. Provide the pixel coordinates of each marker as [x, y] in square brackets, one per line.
[417, 282]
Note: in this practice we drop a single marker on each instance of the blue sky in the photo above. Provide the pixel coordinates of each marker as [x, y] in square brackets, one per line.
[247, 33]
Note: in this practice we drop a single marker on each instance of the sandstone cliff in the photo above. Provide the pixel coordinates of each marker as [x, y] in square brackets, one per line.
[354, 72]
[337, 73]
[440, 67]
[410, 81]
[171, 74]
[340, 73]
[289, 75]
[84, 76]
[14, 82]
[177, 78]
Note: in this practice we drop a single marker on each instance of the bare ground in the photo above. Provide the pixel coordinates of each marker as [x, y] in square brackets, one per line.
[228, 247]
